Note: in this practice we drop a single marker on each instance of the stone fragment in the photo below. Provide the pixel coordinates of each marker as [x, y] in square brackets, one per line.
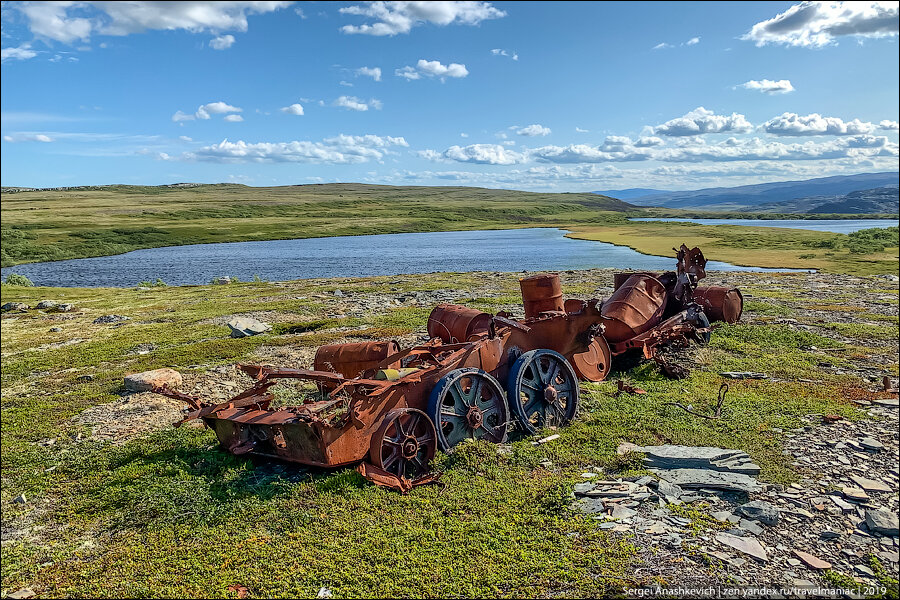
[105, 319]
[855, 494]
[13, 306]
[46, 305]
[830, 535]
[620, 512]
[747, 545]
[762, 511]
[669, 490]
[22, 594]
[883, 521]
[672, 456]
[871, 444]
[844, 506]
[707, 479]
[222, 280]
[750, 527]
[870, 485]
[888, 402]
[811, 561]
[20, 499]
[721, 515]
[582, 489]
[146, 381]
[247, 326]
[590, 505]
[55, 329]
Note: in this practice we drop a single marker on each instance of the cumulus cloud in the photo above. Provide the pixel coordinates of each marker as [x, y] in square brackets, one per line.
[758, 149]
[580, 130]
[392, 18]
[501, 52]
[700, 121]
[664, 45]
[69, 22]
[293, 109]
[484, 154]
[432, 68]
[203, 112]
[815, 124]
[354, 103]
[234, 118]
[27, 137]
[888, 125]
[532, 130]
[373, 72]
[23, 52]
[692, 42]
[816, 24]
[648, 141]
[767, 86]
[613, 149]
[221, 42]
[342, 149]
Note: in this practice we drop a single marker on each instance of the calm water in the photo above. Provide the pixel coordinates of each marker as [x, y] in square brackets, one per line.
[536, 249]
[832, 225]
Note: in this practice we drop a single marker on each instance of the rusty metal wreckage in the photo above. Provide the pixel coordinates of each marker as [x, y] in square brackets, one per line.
[389, 410]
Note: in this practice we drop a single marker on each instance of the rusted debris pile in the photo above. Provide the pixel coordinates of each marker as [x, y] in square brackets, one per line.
[389, 410]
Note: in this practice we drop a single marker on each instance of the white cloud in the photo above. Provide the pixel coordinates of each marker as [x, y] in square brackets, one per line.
[580, 130]
[501, 52]
[767, 86]
[293, 109]
[662, 46]
[22, 52]
[648, 141]
[221, 42]
[392, 18]
[613, 149]
[888, 125]
[66, 21]
[485, 154]
[532, 130]
[464, 135]
[373, 72]
[345, 83]
[27, 137]
[204, 110]
[815, 124]
[432, 68]
[234, 118]
[816, 24]
[354, 103]
[342, 149]
[692, 42]
[185, 138]
[700, 121]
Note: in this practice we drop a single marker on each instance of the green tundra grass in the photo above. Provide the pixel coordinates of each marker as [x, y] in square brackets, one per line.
[169, 514]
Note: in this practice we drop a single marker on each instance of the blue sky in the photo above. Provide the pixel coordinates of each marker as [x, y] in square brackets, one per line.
[534, 95]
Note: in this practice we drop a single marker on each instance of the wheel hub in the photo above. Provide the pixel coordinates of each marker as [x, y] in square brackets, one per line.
[474, 417]
[410, 447]
[550, 394]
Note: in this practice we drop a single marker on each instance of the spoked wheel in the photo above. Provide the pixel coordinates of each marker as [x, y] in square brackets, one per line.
[468, 404]
[543, 390]
[404, 444]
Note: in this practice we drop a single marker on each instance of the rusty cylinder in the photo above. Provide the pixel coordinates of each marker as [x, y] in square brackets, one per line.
[634, 308]
[541, 293]
[352, 359]
[720, 302]
[455, 323]
[620, 278]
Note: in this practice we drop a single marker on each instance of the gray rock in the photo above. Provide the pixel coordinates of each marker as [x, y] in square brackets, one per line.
[9, 306]
[20, 499]
[582, 489]
[590, 505]
[672, 456]
[105, 319]
[620, 512]
[871, 444]
[830, 535]
[721, 515]
[669, 490]
[222, 280]
[716, 480]
[246, 326]
[864, 570]
[870, 485]
[762, 511]
[64, 308]
[750, 527]
[747, 545]
[844, 506]
[883, 521]
[22, 594]
[46, 305]
[55, 329]
[339, 293]
[146, 381]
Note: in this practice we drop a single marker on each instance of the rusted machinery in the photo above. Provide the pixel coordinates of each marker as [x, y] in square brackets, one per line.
[389, 410]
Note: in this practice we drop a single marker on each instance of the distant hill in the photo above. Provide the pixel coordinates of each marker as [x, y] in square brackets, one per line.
[756, 197]
[631, 193]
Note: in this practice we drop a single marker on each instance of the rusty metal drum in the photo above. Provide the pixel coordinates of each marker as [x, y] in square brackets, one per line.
[451, 322]
[720, 302]
[352, 359]
[634, 308]
[541, 293]
[593, 364]
[620, 278]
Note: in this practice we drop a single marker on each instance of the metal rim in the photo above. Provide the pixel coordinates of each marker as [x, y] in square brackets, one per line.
[702, 323]
[542, 390]
[468, 404]
[594, 363]
[404, 444]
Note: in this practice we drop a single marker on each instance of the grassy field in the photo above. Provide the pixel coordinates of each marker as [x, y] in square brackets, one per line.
[55, 225]
[167, 513]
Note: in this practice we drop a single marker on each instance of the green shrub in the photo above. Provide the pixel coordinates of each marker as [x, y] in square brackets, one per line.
[16, 279]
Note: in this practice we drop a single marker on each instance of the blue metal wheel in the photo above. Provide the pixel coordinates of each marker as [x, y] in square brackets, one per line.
[468, 404]
[542, 390]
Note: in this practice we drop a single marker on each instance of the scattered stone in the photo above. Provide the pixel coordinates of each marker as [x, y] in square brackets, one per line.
[864, 570]
[247, 326]
[55, 329]
[871, 444]
[750, 527]
[707, 479]
[620, 512]
[889, 402]
[591, 505]
[22, 594]
[883, 521]
[105, 319]
[721, 515]
[146, 381]
[811, 561]
[669, 490]
[222, 280]
[762, 511]
[870, 485]
[324, 593]
[747, 545]
[830, 535]
[582, 489]
[855, 494]
[844, 506]
[10, 306]
[672, 456]
[46, 305]
[339, 293]
[64, 308]
[84, 378]
[20, 499]
[743, 375]
[549, 438]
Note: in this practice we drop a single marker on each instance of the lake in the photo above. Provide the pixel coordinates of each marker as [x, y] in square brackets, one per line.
[832, 225]
[532, 249]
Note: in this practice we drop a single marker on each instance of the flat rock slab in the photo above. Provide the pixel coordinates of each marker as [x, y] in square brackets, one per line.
[146, 381]
[762, 511]
[705, 478]
[883, 521]
[245, 326]
[672, 456]
[870, 485]
[747, 545]
[811, 561]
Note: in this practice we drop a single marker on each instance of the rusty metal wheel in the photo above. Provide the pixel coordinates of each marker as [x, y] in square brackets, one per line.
[404, 444]
[542, 390]
[468, 404]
